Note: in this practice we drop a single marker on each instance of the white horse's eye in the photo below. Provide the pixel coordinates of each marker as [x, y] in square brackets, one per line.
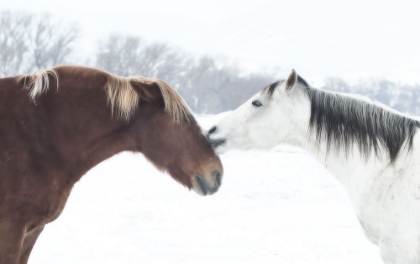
[256, 103]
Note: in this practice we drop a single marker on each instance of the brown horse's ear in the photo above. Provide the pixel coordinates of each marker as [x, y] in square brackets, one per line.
[146, 91]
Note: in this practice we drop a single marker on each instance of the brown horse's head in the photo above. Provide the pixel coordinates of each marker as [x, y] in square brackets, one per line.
[169, 136]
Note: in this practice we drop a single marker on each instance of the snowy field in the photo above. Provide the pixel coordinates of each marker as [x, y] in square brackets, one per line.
[276, 206]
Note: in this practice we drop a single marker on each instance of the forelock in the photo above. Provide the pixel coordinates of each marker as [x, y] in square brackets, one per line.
[269, 90]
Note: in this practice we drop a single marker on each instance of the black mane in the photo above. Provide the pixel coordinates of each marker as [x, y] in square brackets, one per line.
[344, 120]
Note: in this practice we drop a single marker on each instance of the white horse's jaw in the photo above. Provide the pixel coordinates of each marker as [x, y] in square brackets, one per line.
[221, 150]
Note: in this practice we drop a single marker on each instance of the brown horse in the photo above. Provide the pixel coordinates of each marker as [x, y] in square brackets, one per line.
[55, 125]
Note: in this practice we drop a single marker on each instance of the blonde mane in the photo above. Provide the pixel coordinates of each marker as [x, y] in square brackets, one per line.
[39, 82]
[122, 97]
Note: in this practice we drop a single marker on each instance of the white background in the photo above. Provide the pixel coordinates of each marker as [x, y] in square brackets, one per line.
[350, 39]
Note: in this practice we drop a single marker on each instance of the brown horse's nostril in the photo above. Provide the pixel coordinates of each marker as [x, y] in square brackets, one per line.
[218, 177]
[201, 183]
[212, 130]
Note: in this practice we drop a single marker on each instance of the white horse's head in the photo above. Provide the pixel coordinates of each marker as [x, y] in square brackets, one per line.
[270, 117]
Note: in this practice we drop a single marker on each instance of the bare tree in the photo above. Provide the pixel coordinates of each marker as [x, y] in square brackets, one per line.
[13, 41]
[214, 86]
[50, 43]
[211, 86]
[402, 97]
[119, 55]
[130, 55]
[206, 85]
[336, 84]
[29, 42]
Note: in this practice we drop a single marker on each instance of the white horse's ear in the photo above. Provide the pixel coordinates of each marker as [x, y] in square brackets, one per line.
[290, 81]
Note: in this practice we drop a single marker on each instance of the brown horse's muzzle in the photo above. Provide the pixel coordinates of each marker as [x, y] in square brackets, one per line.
[208, 184]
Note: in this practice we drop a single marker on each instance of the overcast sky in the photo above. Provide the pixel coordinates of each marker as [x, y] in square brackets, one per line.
[350, 39]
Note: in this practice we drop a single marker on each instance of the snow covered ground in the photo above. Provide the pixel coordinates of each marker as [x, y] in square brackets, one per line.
[276, 206]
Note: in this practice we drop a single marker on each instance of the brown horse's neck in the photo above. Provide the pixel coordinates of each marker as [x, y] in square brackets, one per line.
[71, 129]
[92, 134]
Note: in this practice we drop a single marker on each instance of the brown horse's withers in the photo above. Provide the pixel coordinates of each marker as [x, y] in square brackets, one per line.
[57, 124]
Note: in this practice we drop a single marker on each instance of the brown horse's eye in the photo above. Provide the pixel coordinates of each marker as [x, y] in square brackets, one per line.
[256, 103]
[184, 120]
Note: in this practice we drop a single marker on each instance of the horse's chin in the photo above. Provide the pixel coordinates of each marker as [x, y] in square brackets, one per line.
[204, 186]
[198, 191]
[203, 192]
[220, 150]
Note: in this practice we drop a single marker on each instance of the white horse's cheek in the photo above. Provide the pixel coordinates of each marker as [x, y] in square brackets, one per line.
[241, 138]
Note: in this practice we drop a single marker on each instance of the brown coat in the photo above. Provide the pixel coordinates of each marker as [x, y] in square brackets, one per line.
[51, 136]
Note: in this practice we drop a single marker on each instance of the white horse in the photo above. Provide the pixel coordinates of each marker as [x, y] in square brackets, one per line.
[372, 150]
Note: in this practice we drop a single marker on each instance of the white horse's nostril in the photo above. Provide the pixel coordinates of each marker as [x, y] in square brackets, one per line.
[212, 130]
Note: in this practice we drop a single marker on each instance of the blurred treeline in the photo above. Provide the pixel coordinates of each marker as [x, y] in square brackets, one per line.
[31, 41]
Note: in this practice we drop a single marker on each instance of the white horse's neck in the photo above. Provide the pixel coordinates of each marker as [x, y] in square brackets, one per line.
[352, 170]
